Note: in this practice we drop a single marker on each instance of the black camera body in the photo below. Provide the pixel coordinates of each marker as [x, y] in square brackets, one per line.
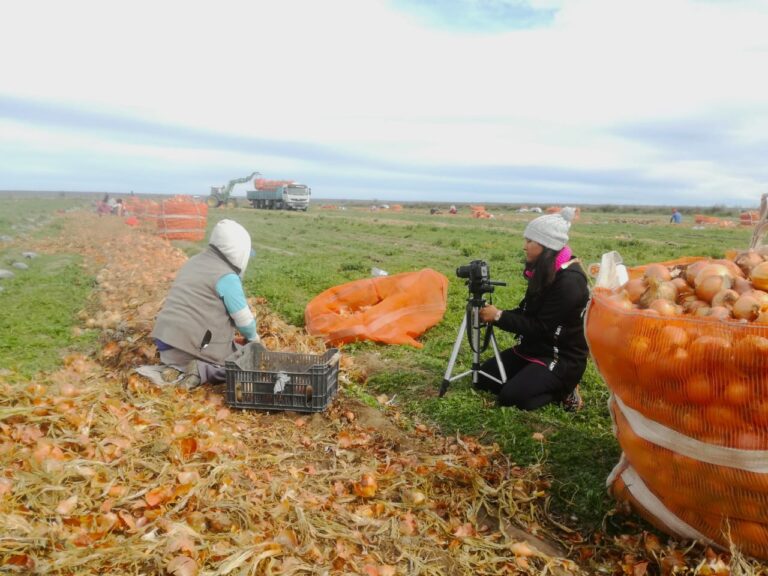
[478, 278]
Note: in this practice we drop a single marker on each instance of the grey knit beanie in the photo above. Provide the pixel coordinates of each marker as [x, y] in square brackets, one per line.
[551, 230]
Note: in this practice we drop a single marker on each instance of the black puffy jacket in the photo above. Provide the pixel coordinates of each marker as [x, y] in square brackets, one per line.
[550, 327]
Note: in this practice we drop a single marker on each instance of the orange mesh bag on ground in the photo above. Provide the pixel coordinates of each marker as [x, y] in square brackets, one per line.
[181, 218]
[389, 309]
[683, 348]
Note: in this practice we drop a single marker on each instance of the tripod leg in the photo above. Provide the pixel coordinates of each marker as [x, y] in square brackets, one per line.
[475, 340]
[502, 372]
[452, 360]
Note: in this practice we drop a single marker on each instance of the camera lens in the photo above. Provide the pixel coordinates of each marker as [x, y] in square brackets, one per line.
[463, 271]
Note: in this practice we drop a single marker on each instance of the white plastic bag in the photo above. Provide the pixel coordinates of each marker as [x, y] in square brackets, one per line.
[612, 272]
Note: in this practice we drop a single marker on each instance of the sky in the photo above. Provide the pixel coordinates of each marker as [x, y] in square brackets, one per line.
[657, 102]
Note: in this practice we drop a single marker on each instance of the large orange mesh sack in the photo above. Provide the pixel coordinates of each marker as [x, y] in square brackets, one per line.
[389, 309]
[182, 218]
[690, 406]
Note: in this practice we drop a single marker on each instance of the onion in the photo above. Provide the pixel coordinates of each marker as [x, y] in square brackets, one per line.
[683, 288]
[751, 351]
[725, 298]
[762, 318]
[713, 270]
[658, 271]
[746, 307]
[663, 306]
[708, 286]
[742, 285]
[692, 270]
[620, 301]
[709, 349]
[748, 260]
[760, 296]
[658, 290]
[731, 266]
[759, 276]
[692, 305]
[634, 289]
[673, 337]
[702, 311]
[719, 312]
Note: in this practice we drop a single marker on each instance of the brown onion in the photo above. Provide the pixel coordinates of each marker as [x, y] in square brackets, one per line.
[634, 289]
[751, 351]
[702, 311]
[742, 285]
[693, 305]
[683, 288]
[725, 298]
[760, 296]
[759, 276]
[658, 289]
[708, 286]
[713, 270]
[658, 271]
[708, 349]
[746, 307]
[673, 337]
[748, 260]
[663, 306]
[731, 266]
[693, 269]
[620, 301]
[719, 312]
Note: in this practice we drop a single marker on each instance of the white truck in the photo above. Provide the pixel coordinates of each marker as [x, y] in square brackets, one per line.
[279, 195]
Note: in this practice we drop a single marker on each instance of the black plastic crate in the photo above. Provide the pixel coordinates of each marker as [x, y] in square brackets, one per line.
[258, 379]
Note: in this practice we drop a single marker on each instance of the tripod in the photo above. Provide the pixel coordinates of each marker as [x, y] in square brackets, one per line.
[472, 319]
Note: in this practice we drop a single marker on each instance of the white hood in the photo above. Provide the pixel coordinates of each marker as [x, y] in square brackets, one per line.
[234, 242]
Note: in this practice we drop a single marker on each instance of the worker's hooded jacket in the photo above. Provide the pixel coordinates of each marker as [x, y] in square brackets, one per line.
[193, 306]
[551, 327]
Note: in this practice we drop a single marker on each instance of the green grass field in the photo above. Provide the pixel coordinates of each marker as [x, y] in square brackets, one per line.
[301, 254]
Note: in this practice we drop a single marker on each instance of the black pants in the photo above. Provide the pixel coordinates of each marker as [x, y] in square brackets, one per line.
[529, 385]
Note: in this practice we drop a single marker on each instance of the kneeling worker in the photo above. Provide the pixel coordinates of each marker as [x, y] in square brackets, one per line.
[195, 330]
[551, 356]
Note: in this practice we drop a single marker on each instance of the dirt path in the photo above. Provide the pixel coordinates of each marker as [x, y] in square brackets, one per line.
[104, 471]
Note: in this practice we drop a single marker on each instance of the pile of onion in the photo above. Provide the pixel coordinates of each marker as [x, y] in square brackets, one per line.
[727, 290]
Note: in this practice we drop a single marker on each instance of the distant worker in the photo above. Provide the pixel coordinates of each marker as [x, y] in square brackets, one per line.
[676, 217]
[195, 330]
[452, 210]
[104, 206]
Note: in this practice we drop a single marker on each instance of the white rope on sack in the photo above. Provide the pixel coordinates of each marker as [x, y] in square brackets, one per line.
[648, 500]
[660, 435]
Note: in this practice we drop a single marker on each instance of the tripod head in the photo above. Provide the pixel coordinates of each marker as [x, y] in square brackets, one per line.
[478, 281]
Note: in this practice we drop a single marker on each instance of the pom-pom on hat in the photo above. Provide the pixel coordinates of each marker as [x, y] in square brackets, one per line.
[551, 230]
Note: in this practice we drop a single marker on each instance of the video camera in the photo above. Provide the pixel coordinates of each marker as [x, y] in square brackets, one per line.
[478, 278]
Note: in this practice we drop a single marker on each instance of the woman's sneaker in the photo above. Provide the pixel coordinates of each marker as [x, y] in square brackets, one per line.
[573, 402]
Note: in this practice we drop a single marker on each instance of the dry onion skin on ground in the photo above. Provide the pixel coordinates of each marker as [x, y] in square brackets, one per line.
[102, 471]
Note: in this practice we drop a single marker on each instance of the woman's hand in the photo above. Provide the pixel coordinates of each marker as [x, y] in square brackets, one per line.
[488, 313]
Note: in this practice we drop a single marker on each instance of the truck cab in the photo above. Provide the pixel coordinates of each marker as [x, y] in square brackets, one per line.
[296, 196]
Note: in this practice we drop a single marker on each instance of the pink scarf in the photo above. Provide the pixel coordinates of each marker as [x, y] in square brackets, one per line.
[562, 257]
